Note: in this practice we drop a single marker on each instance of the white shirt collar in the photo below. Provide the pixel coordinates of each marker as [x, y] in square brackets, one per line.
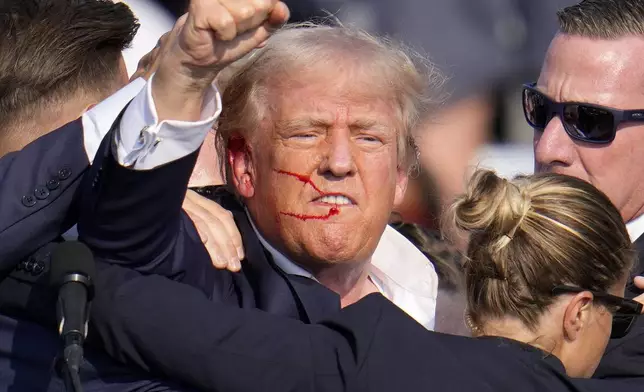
[635, 228]
[401, 272]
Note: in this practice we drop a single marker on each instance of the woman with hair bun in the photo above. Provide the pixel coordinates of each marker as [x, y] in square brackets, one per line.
[547, 264]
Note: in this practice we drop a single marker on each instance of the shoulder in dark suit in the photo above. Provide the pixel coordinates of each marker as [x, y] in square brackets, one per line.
[37, 185]
[38, 190]
[371, 346]
[624, 358]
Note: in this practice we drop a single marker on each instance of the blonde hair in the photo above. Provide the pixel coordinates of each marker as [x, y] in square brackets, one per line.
[245, 84]
[531, 234]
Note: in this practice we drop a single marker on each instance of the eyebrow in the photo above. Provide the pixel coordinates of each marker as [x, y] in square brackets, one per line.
[304, 123]
[582, 99]
[363, 123]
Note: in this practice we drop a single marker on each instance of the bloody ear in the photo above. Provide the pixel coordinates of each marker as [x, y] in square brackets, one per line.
[240, 163]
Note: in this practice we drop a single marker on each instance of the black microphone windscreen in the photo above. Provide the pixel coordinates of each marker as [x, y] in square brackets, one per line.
[71, 257]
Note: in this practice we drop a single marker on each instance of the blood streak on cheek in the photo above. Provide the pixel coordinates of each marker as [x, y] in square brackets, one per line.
[303, 178]
[332, 211]
[307, 180]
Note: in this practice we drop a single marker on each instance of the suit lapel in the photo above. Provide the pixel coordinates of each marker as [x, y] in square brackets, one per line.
[272, 291]
[297, 296]
[318, 301]
[279, 293]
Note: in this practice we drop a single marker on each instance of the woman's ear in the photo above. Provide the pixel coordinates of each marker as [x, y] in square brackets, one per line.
[240, 161]
[577, 315]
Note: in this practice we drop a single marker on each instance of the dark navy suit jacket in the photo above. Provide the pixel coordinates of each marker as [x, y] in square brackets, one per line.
[38, 191]
[624, 358]
[370, 346]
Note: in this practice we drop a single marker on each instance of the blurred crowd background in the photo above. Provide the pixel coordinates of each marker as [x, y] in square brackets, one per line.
[487, 48]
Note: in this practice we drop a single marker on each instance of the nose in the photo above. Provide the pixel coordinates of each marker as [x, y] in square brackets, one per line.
[552, 146]
[339, 160]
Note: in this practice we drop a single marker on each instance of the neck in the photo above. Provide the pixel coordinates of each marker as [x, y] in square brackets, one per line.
[39, 119]
[350, 282]
[631, 217]
[633, 208]
[516, 330]
[206, 171]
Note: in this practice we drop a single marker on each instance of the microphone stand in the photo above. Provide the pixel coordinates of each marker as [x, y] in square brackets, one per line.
[72, 380]
[72, 269]
[72, 358]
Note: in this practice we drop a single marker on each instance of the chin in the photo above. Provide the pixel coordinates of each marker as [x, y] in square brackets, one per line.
[337, 249]
[333, 253]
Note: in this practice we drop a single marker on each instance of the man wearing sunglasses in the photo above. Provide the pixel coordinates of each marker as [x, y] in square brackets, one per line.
[587, 109]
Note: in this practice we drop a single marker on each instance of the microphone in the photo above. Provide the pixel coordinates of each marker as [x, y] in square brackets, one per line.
[72, 273]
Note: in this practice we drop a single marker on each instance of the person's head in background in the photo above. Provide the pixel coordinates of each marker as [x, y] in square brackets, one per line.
[596, 58]
[57, 59]
[529, 236]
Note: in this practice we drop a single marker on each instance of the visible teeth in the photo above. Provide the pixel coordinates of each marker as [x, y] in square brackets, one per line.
[337, 200]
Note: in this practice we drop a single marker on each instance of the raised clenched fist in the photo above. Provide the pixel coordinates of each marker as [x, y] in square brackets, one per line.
[218, 32]
[215, 33]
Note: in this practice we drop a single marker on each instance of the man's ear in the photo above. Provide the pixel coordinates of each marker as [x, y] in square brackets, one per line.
[577, 314]
[402, 180]
[241, 166]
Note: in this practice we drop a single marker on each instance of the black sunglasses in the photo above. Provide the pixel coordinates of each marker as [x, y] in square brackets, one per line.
[582, 121]
[624, 310]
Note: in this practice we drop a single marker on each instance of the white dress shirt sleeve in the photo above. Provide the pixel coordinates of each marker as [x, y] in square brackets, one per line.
[98, 121]
[144, 143]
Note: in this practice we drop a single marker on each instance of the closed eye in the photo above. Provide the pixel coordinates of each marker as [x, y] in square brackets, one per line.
[304, 139]
[304, 136]
[369, 139]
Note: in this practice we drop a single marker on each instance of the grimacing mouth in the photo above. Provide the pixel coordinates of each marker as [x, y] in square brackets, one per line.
[338, 199]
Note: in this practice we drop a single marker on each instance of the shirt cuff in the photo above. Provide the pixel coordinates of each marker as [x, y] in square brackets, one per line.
[144, 143]
[98, 121]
